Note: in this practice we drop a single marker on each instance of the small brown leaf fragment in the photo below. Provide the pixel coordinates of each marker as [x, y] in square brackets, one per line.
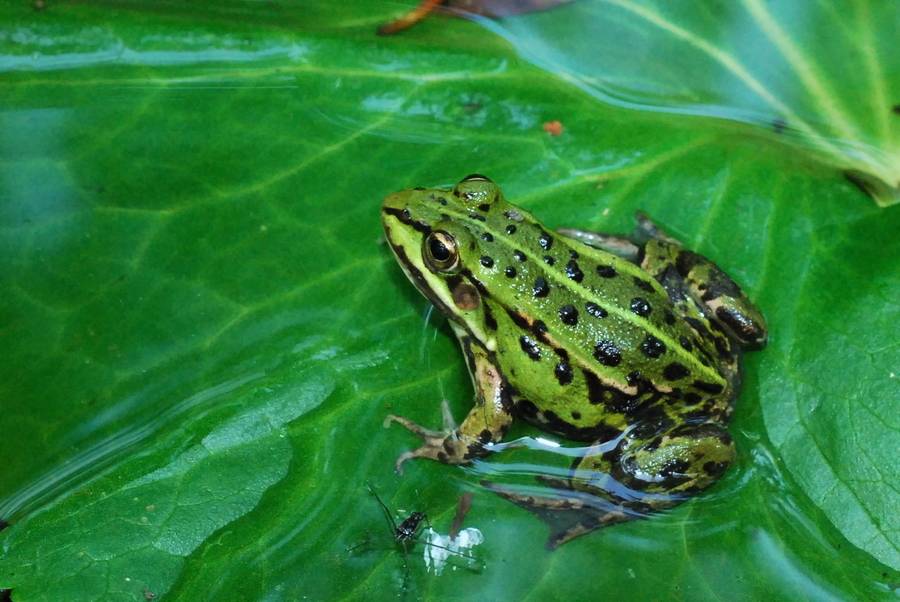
[409, 19]
[465, 503]
[460, 8]
[554, 128]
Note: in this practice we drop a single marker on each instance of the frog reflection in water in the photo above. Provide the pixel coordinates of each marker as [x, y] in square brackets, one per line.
[593, 337]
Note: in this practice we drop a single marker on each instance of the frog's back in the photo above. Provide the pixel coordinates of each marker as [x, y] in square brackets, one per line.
[603, 328]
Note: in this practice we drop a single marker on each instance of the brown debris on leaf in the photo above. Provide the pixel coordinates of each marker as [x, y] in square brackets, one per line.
[484, 8]
[554, 128]
[465, 503]
[409, 19]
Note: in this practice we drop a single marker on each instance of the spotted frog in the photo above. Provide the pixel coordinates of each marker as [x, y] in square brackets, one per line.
[630, 344]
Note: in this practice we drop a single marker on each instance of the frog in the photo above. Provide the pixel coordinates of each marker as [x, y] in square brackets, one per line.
[630, 344]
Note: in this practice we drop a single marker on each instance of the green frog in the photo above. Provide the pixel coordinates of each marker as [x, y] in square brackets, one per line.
[630, 344]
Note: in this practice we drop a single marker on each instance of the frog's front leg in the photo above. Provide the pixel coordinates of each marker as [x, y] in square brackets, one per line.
[487, 421]
[641, 476]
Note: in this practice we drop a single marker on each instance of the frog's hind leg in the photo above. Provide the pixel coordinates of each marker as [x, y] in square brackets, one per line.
[673, 464]
[567, 511]
[723, 299]
[575, 505]
[684, 272]
[486, 422]
[636, 479]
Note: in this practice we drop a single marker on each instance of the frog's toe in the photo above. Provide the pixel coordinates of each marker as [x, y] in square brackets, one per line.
[442, 446]
[409, 455]
[741, 319]
[412, 427]
[446, 449]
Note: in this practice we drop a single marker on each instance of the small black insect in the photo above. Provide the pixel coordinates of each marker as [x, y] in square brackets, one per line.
[406, 534]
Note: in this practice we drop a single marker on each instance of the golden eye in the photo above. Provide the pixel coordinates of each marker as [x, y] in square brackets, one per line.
[439, 251]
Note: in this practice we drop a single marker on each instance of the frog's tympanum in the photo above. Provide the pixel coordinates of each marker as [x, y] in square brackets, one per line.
[631, 344]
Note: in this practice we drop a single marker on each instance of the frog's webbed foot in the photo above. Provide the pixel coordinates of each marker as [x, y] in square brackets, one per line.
[443, 446]
[412, 427]
[568, 512]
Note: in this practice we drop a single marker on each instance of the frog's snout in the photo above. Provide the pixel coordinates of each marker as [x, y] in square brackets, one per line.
[395, 200]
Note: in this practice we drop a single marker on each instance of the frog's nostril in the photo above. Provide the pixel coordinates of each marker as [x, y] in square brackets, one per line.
[394, 200]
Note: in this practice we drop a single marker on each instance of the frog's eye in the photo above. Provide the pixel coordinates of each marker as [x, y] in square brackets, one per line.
[439, 251]
[476, 177]
[476, 189]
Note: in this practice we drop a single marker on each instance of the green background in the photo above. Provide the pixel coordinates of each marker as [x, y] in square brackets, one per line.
[202, 329]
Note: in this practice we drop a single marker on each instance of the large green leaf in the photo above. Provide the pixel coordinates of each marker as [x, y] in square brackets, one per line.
[202, 331]
[822, 78]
